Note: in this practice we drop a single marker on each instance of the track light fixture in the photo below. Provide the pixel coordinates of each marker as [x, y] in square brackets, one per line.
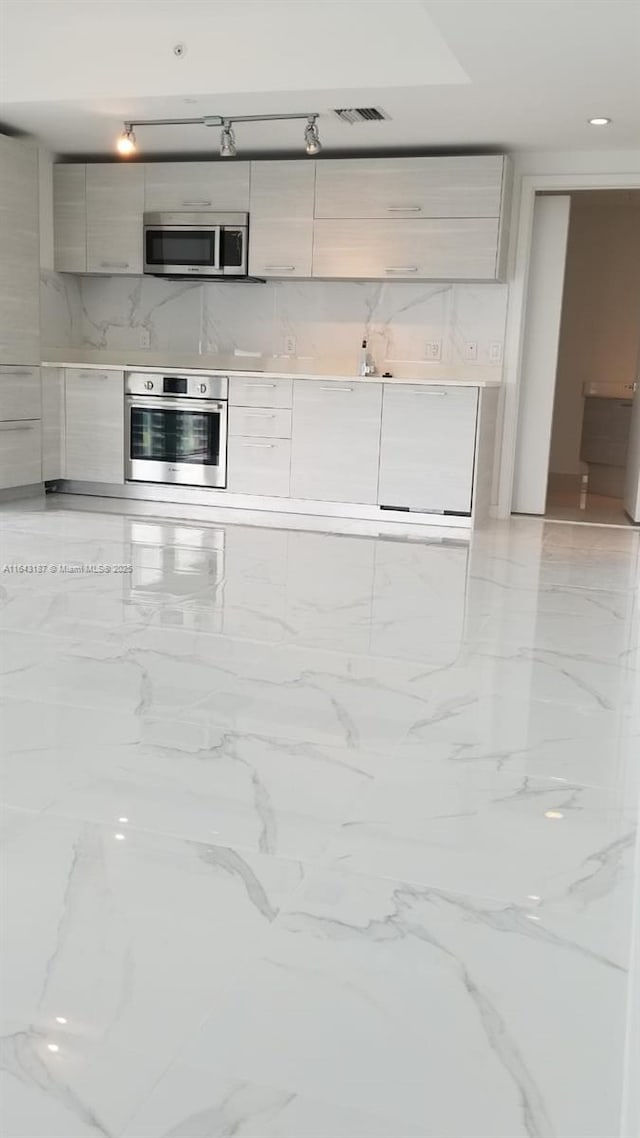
[311, 136]
[227, 140]
[126, 143]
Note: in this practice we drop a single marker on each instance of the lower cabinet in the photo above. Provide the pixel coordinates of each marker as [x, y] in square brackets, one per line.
[20, 426]
[258, 465]
[20, 453]
[335, 440]
[94, 426]
[427, 447]
[52, 423]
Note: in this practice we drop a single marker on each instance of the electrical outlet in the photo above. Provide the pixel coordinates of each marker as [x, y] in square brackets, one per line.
[495, 352]
[289, 345]
[471, 350]
[433, 350]
[145, 338]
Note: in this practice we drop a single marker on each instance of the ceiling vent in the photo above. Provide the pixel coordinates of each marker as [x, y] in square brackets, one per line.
[361, 114]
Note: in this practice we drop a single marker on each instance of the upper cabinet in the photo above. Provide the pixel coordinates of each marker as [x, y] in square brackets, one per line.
[19, 253]
[410, 187]
[433, 249]
[115, 205]
[354, 218]
[70, 217]
[197, 185]
[281, 212]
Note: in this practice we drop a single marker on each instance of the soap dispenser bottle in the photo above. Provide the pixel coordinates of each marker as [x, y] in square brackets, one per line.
[363, 368]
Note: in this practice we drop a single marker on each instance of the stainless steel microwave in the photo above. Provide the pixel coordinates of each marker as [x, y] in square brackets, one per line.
[196, 244]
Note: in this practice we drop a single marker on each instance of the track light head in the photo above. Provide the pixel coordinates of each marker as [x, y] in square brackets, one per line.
[126, 144]
[227, 140]
[311, 136]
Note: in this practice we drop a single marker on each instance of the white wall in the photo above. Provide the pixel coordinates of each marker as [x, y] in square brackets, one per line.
[600, 331]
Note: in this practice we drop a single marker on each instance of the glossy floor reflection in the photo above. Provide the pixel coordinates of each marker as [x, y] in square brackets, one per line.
[314, 836]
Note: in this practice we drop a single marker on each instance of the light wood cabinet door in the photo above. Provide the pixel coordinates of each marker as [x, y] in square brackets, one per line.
[427, 447]
[197, 185]
[258, 465]
[19, 253]
[446, 249]
[19, 393]
[335, 440]
[409, 187]
[281, 212]
[115, 205]
[52, 423]
[70, 218]
[20, 453]
[94, 425]
[247, 392]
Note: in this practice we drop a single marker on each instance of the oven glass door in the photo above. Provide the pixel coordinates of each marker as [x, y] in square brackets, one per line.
[187, 249]
[177, 441]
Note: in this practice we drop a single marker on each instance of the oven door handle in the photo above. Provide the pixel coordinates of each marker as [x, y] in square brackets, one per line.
[161, 403]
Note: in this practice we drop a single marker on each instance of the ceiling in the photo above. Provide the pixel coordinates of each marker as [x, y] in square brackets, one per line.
[451, 74]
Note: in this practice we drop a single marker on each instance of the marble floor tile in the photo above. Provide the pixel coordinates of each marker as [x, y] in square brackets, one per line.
[309, 835]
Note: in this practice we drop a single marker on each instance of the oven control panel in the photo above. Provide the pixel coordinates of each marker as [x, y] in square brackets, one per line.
[183, 384]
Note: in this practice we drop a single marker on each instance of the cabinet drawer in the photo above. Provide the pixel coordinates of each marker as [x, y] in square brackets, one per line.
[260, 392]
[268, 423]
[258, 466]
[20, 453]
[20, 393]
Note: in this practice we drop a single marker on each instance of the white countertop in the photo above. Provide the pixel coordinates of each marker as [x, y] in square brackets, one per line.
[470, 375]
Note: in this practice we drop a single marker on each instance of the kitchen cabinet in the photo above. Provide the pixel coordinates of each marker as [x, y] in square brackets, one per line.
[258, 465]
[19, 392]
[260, 392]
[427, 447]
[281, 211]
[263, 422]
[115, 206]
[20, 453]
[438, 249]
[52, 423]
[19, 253]
[335, 440]
[94, 425]
[197, 186]
[70, 217]
[410, 187]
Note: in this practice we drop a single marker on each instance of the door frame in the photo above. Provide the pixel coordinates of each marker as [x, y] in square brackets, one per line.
[530, 185]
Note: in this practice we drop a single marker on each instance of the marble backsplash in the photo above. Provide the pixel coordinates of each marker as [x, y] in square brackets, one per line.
[321, 318]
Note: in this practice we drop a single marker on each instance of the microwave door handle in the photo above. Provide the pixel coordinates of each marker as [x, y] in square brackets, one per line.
[217, 254]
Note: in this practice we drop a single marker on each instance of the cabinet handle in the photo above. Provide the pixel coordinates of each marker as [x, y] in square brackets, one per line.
[114, 264]
[347, 389]
[19, 426]
[281, 268]
[259, 384]
[423, 391]
[259, 415]
[262, 446]
[16, 371]
[401, 269]
[404, 209]
[197, 203]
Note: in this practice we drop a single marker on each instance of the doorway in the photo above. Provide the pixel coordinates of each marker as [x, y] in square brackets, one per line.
[598, 359]
[578, 440]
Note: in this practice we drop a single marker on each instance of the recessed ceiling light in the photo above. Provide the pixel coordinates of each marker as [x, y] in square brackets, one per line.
[53, 1047]
[599, 122]
[553, 814]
